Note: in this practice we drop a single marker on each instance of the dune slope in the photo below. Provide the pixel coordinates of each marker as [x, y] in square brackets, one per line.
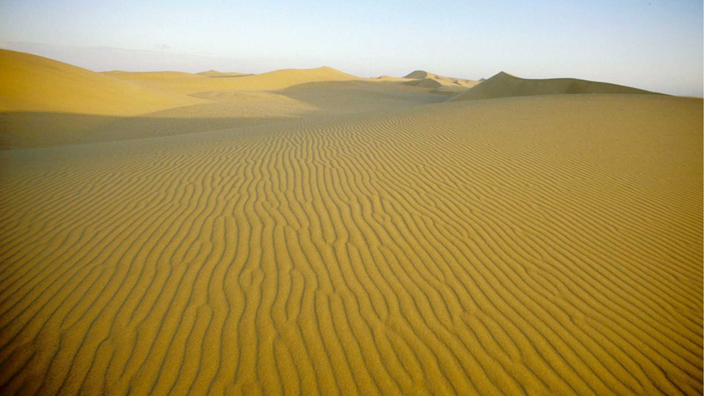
[439, 84]
[424, 75]
[275, 80]
[218, 110]
[46, 102]
[505, 85]
[515, 246]
[37, 84]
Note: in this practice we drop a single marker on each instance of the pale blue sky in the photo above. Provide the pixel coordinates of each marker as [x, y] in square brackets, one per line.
[651, 44]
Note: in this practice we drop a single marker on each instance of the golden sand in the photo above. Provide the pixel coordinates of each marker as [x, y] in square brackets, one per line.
[438, 84]
[375, 243]
[505, 85]
[185, 83]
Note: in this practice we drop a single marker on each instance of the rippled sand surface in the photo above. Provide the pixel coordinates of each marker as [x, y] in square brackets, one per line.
[377, 243]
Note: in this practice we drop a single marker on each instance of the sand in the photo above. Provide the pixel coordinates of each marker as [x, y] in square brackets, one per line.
[195, 83]
[504, 85]
[439, 84]
[36, 84]
[544, 244]
[45, 102]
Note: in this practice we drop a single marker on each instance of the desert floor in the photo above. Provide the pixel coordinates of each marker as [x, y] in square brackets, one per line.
[311, 232]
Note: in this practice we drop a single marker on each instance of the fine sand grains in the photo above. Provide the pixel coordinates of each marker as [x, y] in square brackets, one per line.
[535, 245]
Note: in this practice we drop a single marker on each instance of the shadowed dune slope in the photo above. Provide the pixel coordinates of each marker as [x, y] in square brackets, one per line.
[437, 86]
[45, 102]
[219, 110]
[34, 83]
[425, 83]
[505, 85]
[515, 246]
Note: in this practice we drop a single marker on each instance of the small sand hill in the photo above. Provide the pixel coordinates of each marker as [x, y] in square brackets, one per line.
[217, 74]
[505, 85]
[37, 84]
[422, 75]
[439, 84]
[425, 83]
[279, 79]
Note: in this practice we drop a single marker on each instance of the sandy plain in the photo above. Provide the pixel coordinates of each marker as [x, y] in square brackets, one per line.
[312, 232]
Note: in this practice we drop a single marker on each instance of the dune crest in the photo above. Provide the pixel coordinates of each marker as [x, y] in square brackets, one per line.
[504, 85]
[439, 84]
[274, 80]
[218, 74]
[34, 83]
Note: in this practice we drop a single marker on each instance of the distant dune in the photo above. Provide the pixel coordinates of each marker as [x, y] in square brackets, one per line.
[505, 85]
[279, 79]
[439, 84]
[140, 76]
[391, 78]
[311, 232]
[425, 83]
[217, 74]
[423, 75]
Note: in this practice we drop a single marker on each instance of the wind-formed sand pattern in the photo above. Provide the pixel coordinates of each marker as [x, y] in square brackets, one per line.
[383, 242]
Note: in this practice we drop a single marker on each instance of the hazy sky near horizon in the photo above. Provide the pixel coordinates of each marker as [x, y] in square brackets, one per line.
[651, 44]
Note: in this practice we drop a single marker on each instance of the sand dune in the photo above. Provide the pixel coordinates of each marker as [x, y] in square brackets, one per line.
[425, 83]
[423, 75]
[215, 73]
[279, 79]
[33, 83]
[392, 78]
[51, 103]
[310, 232]
[505, 85]
[140, 76]
[439, 84]
[218, 110]
[43, 101]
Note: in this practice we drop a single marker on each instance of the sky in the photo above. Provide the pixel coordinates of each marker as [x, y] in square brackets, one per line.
[651, 44]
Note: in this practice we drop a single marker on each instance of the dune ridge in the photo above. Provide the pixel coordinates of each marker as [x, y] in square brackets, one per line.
[45, 102]
[439, 84]
[424, 75]
[215, 73]
[274, 80]
[34, 83]
[459, 248]
[505, 85]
